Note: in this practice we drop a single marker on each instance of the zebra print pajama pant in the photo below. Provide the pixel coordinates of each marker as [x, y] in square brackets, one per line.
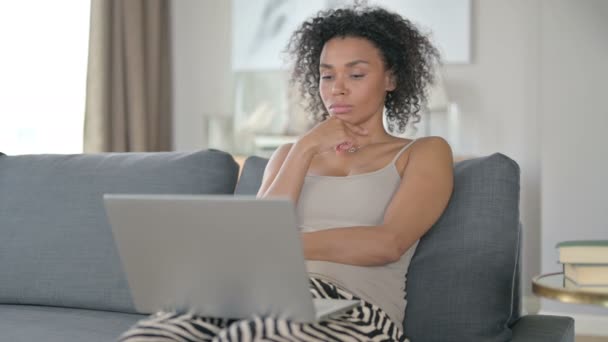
[367, 322]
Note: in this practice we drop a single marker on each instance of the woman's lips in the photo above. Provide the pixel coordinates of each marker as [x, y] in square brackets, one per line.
[340, 109]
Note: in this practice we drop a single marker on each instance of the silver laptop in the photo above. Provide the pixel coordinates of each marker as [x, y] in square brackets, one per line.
[217, 256]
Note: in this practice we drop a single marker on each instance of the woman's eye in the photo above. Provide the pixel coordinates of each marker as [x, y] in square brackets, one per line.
[326, 77]
[358, 76]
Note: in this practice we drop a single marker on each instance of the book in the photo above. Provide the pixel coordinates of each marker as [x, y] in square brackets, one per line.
[583, 252]
[569, 284]
[587, 274]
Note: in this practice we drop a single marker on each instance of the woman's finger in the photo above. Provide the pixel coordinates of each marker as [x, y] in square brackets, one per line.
[342, 148]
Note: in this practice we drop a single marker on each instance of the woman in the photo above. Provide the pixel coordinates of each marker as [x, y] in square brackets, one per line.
[364, 197]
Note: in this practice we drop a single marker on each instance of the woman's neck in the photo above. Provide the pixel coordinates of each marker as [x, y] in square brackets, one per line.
[376, 132]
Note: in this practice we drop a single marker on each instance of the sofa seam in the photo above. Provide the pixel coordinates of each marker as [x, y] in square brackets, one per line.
[513, 277]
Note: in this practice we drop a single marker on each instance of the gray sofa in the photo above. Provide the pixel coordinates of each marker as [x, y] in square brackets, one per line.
[61, 280]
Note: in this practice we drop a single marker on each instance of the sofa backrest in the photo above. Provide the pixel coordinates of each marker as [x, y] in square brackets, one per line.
[251, 176]
[463, 281]
[56, 246]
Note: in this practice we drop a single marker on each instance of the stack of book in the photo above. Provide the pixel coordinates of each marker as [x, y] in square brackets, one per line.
[585, 264]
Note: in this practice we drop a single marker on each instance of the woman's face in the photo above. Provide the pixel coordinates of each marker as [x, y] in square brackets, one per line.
[353, 80]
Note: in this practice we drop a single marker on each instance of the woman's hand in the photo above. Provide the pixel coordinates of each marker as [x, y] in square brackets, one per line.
[333, 134]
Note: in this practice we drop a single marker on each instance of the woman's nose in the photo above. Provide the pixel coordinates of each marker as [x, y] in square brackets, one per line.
[338, 88]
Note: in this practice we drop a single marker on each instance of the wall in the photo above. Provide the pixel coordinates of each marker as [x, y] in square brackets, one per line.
[201, 34]
[574, 117]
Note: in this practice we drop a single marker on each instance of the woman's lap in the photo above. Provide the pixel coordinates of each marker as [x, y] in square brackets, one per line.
[366, 322]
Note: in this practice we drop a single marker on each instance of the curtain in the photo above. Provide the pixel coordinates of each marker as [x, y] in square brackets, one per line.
[128, 97]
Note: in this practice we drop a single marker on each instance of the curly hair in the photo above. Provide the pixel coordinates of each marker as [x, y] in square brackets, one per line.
[406, 52]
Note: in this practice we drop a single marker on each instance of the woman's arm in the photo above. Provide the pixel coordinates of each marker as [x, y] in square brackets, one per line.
[423, 195]
[286, 169]
[361, 246]
[285, 172]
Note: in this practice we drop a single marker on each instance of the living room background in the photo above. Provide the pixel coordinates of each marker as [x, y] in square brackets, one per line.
[512, 99]
[533, 90]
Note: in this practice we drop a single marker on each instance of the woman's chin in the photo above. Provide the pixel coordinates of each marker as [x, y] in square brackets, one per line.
[343, 116]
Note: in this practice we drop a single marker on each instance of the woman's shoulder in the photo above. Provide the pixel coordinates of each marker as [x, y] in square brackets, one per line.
[431, 147]
[431, 143]
[283, 149]
[420, 148]
[279, 155]
[429, 140]
[422, 143]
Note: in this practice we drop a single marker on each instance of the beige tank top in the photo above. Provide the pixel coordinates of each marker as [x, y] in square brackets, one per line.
[359, 200]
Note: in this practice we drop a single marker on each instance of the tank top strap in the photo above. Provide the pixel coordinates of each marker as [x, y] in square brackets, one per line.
[403, 150]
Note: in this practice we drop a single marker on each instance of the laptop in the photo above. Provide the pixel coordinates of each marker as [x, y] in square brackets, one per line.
[215, 256]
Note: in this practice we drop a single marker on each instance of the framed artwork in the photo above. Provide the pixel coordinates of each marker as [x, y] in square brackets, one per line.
[261, 29]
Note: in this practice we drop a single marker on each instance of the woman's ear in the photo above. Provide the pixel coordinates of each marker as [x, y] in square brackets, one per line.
[390, 81]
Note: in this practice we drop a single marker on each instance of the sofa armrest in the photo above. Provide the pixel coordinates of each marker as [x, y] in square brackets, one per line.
[543, 328]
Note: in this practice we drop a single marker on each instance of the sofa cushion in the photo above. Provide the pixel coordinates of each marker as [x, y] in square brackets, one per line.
[26, 323]
[462, 281]
[251, 176]
[56, 246]
[544, 328]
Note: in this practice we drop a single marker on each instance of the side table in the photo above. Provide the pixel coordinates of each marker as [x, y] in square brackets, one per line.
[551, 286]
